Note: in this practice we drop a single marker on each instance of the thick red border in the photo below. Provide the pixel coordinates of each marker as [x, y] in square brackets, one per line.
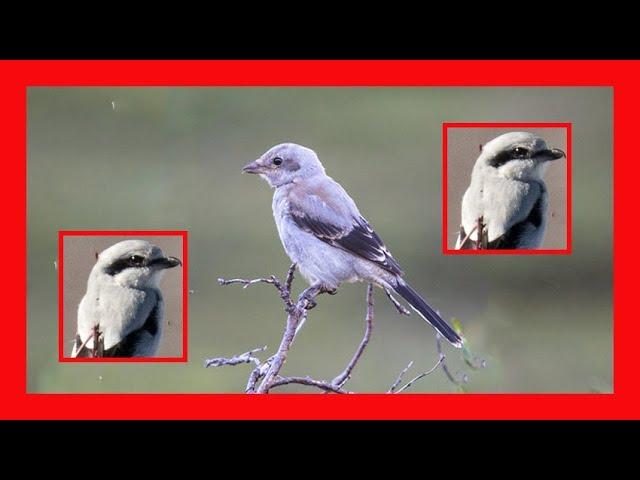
[623, 76]
[124, 233]
[445, 187]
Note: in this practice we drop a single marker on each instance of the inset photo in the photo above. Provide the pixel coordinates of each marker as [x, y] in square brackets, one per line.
[507, 188]
[122, 296]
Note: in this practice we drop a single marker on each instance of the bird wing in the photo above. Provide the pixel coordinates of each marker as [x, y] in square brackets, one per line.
[324, 209]
[128, 346]
[512, 237]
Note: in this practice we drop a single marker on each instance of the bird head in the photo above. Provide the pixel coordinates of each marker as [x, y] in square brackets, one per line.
[286, 163]
[133, 263]
[517, 155]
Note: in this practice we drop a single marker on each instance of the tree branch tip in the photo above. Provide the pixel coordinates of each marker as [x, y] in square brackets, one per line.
[265, 375]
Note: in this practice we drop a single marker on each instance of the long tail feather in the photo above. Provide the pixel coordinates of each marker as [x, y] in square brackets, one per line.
[429, 314]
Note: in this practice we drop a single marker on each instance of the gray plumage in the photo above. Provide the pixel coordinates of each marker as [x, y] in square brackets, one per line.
[508, 191]
[324, 233]
[123, 300]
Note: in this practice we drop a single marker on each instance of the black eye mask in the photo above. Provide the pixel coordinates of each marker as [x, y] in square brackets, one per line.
[132, 261]
[517, 153]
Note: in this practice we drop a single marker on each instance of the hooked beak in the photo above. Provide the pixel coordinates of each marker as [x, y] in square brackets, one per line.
[550, 155]
[166, 262]
[253, 167]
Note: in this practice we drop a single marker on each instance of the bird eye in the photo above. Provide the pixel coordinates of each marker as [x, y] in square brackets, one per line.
[277, 161]
[136, 260]
[520, 152]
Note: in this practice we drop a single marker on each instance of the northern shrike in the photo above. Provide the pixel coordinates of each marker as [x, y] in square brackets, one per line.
[507, 194]
[323, 232]
[123, 301]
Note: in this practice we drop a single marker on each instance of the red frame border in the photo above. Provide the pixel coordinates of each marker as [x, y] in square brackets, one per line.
[620, 75]
[445, 187]
[125, 233]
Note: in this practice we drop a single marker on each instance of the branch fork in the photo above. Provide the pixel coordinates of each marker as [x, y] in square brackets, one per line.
[266, 376]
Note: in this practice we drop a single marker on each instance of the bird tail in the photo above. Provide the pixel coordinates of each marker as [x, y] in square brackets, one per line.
[429, 314]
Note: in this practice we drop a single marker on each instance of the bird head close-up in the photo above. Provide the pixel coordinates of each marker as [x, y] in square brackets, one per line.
[133, 264]
[517, 155]
[285, 163]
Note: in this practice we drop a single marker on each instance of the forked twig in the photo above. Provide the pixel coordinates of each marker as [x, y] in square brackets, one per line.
[265, 376]
[341, 379]
[422, 375]
[398, 380]
[246, 357]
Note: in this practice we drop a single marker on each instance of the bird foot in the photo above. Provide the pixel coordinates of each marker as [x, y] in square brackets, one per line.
[309, 304]
[308, 296]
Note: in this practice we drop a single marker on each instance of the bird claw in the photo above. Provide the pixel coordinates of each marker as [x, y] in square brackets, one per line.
[309, 303]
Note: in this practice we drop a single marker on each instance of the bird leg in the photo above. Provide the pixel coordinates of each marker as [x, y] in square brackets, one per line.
[308, 296]
[396, 303]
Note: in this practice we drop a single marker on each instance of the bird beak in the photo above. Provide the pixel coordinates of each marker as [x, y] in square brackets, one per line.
[253, 167]
[550, 155]
[168, 262]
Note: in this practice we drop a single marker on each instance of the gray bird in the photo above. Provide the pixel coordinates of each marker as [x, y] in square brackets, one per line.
[124, 302]
[324, 233]
[508, 193]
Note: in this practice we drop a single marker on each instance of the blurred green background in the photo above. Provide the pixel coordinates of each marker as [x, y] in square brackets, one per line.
[170, 158]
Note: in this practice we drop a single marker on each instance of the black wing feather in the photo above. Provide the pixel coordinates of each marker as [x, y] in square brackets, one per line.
[360, 240]
[510, 240]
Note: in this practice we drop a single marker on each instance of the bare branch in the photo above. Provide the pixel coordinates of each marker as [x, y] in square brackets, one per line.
[84, 344]
[445, 367]
[265, 376]
[256, 374]
[246, 357]
[341, 379]
[295, 314]
[247, 283]
[482, 234]
[395, 384]
[422, 375]
[289, 278]
[322, 385]
[467, 237]
[95, 350]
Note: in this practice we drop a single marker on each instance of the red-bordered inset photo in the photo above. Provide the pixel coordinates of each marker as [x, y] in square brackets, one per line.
[506, 188]
[122, 296]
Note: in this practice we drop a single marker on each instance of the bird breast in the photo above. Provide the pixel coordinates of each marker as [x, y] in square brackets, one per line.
[116, 310]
